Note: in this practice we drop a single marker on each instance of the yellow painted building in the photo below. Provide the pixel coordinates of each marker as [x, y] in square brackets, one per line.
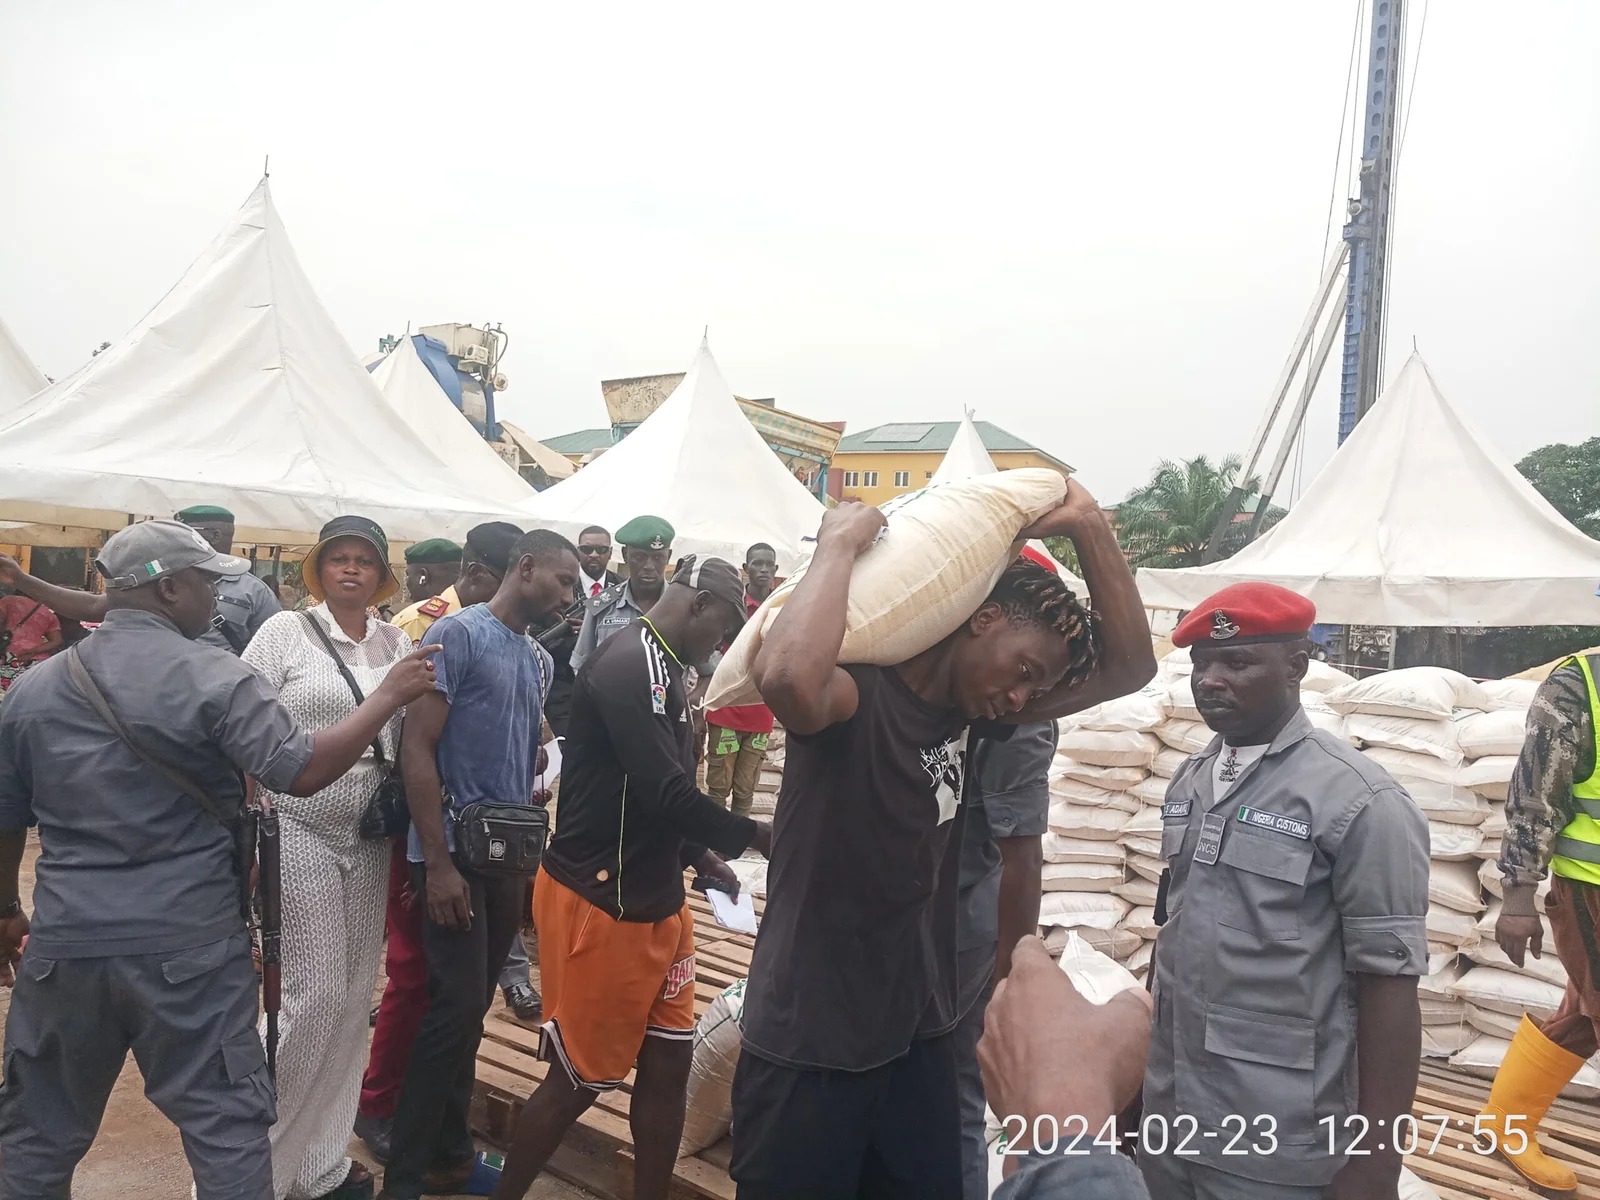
[879, 464]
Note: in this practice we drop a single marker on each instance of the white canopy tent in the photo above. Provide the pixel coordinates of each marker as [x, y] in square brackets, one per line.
[235, 389]
[19, 377]
[413, 392]
[698, 463]
[968, 458]
[1414, 521]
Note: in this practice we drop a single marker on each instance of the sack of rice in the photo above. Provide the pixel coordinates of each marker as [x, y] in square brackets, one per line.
[1176, 663]
[1086, 795]
[1144, 864]
[1485, 1020]
[1117, 943]
[1142, 921]
[1451, 927]
[1138, 963]
[1455, 885]
[1323, 677]
[1079, 877]
[1412, 692]
[1446, 803]
[1152, 792]
[1404, 764]
[1514, 694]
[1494, 825]
[1437, 738]
[1489, 776]
[1058, 849]
[1108, 748]
[1492, 733]
[1441, 1041]
[1482, 1058]
[1180, 699]
[1112, 779]
[709, 1101]
[1139, 712]
[1095, 975]
[1453, 843]
[752, 873]
[1443, 971]
[1324, 718]
[1087, 824]
[1082, 910]
[1490, 850]
[1144, 823]
[1511, 992]
[1138, 891]
[943, 550]
[1167, 762]
[1189, 736]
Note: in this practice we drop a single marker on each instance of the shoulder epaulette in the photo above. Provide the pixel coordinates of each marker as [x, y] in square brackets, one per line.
[435, 607]
[606, 596]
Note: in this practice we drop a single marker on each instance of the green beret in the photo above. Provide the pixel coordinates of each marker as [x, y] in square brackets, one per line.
[203, 513]
[434, 550]
[646, 533]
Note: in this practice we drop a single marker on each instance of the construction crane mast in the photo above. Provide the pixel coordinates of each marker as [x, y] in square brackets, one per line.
[1363, 257]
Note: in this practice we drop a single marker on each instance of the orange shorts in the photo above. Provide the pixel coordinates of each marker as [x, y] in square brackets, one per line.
[608, 984]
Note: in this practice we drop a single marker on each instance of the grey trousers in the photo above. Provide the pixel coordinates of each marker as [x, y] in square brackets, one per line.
[1170, 1177]
[517, 965]
[190, 1019]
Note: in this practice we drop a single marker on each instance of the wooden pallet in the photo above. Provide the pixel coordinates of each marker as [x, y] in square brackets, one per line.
[597, 1153]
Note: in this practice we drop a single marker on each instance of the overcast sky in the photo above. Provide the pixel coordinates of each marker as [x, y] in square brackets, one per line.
[1099, 225]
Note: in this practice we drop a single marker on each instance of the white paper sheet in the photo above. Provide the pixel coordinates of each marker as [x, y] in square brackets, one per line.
[738, 915]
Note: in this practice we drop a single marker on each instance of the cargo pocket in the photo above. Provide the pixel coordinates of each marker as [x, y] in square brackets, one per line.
[249, 1095]
[1255, 1062]
[1264, 895]
[191, 964]
[24, 1035]
[1172, 839]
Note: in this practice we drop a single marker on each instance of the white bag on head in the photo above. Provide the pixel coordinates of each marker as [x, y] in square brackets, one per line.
[944, 548]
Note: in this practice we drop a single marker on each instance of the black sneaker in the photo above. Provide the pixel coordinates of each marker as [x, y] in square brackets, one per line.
[376, 1133]
[524, 1002]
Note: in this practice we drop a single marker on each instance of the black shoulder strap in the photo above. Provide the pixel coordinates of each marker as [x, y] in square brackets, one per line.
[321, 635]
[178, 779]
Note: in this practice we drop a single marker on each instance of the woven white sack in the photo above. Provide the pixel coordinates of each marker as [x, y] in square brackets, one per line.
[1059, 849]
[1189, 736]
[1112, 779]
[1080, 877]
[1434, 737]
[1455, 886]
[1412, 692]
[1489, 776]
[1108, 748]
[1509, 992]
[944, 548]
[1498, 732]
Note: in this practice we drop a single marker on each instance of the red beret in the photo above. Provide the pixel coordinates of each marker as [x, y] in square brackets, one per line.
[1245, 613]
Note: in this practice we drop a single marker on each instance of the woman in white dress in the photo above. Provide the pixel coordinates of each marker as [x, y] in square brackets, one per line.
[334, 881]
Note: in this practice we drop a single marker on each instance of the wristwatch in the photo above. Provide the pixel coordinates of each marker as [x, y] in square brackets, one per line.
[7, 911]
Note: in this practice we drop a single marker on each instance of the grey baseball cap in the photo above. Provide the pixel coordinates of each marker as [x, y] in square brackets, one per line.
[715, 575]
[143, 553]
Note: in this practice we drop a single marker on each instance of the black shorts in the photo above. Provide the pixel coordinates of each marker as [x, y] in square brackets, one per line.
[891, 1133]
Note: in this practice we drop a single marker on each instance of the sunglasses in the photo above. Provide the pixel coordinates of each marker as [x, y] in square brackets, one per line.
[594, 549]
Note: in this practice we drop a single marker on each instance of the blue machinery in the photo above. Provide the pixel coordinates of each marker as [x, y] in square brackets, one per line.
[1360, 304]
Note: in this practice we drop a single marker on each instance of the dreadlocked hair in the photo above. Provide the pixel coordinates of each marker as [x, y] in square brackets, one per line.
[1028, 592]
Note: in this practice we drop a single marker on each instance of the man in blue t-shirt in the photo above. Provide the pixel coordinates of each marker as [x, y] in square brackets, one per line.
[474, 740]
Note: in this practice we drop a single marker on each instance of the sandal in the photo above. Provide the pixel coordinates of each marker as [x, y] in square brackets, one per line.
[357, 1185]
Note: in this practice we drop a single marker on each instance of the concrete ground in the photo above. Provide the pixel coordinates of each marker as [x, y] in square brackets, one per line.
[138, 1155]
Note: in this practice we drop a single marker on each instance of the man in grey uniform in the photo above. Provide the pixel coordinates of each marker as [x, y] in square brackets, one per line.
[138, 937]
[646, 550]
[1287, 1033]
[243, 602]
[1002, 853]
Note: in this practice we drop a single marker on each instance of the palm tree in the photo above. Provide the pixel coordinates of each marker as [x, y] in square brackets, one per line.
[1168, 522]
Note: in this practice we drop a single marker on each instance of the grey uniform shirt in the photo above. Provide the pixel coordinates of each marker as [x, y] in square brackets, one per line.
[608, 613]
[128, 864]
[1314, 867]
[1008, 789]
[245, 604]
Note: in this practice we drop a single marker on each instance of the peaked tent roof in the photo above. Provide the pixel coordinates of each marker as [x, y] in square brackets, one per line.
[235, 389]
[413, 392]
[697, 462]
[1414, 521]
[967, 459]
[19, 377]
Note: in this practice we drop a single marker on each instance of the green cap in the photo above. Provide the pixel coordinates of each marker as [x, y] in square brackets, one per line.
[646, 533]
[202, 513]
[433, 550]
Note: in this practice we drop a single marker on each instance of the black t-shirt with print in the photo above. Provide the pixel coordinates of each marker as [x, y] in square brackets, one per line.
[857, 946]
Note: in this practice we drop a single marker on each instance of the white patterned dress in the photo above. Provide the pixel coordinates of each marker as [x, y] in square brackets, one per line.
[334, 888]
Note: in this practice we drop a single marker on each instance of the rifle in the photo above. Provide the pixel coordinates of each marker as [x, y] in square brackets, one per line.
[552, 637]
[269, 907]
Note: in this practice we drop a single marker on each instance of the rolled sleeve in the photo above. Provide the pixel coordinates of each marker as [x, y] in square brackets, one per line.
[1380, 886]
[261, 737]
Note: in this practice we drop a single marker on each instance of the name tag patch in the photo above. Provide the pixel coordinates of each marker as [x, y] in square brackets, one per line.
[1274, 822]
[615, 620]
[1210, 843]
[1176, 808]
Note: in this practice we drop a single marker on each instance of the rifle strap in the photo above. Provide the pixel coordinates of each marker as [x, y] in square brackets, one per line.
[178, 779]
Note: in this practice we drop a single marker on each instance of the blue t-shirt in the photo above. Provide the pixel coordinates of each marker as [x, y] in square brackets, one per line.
[495, 680]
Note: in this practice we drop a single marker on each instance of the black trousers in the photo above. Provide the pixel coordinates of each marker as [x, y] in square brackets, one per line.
[430, 1120]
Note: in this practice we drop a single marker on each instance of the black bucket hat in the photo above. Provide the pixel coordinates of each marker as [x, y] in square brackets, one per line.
[368, 531]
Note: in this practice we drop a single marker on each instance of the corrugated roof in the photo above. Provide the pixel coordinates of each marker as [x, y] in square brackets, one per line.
[580, 442]
[932, 437]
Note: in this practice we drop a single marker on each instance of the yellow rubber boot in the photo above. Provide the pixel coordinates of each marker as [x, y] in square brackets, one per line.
[1531, 1077]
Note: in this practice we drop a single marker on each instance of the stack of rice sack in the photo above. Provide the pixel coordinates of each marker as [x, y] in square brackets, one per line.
[1102, 856]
